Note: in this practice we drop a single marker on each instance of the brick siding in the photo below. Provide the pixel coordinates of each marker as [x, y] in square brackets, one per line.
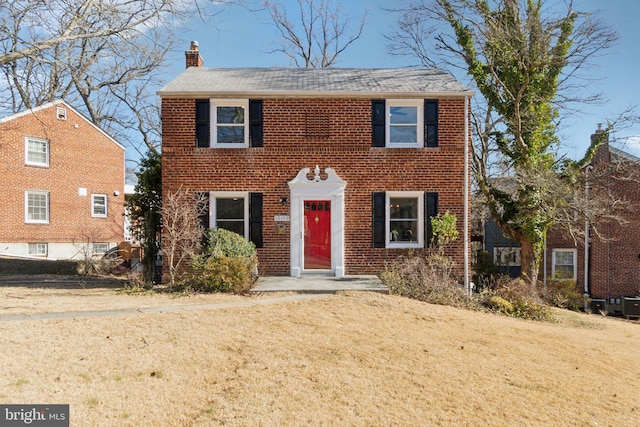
[292, 141]
[80, 156]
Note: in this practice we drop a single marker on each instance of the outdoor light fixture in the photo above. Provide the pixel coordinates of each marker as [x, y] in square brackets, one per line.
[283, 201]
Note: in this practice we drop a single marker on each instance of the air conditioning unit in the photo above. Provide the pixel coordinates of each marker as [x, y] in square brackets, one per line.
[598, 305]
[631, 307]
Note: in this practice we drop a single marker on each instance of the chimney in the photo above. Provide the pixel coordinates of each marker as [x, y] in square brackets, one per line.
[193, 55]
[597, 134]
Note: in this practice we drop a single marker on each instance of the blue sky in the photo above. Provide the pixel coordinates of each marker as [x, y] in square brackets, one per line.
[237, 37]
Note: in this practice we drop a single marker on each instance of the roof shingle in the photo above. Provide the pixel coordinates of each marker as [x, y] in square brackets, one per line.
[198, 81]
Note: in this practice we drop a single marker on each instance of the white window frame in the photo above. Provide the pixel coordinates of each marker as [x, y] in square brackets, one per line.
[215, 103]
[26, 151]
[575, 262]
[26, 207]
[501, 254]
[96, 245]
[61, 113]
[93, 206]
[419, 242]
[229, 195]
[37, 249]
[419, 105]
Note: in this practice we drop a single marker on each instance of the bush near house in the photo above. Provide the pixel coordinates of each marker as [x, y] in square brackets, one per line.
[228, 264]
[563, 294]
[427, 279]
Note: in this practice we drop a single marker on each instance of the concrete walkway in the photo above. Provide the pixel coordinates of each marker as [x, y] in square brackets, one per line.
[165, 309]
[319, 284]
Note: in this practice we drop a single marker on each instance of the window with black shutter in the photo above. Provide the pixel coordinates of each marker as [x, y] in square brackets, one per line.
[378, 123]
[255, 123]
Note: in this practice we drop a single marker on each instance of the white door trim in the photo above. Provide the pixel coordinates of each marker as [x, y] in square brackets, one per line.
[302, 188]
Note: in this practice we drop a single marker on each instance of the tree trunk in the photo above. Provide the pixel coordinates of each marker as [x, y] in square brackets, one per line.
[530, 263]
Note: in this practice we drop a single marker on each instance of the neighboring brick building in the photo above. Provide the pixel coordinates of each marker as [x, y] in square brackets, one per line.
[62, 181]
[613, 266]
[332, 171]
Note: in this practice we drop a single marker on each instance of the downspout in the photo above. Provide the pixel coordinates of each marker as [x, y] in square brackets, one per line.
[467, 285]
[586, 234]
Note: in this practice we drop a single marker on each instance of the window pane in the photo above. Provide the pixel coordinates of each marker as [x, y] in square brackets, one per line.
[564, 258]
[235, 226]
[37, 151]
[230, 134]
[403, 207]
[403, 115]
[99, 205]
[37, 207]
[400, 134]
[232, 208]
[404, 231]
[230, 115]
[564, 271]
[403, 223]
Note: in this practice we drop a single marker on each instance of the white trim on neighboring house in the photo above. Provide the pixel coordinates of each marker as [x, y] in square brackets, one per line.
[302, 188]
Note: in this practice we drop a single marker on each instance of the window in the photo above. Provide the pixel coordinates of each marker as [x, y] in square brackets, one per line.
[61, 113]
[506, 256]
[36, 207]
[36, 151]
[37, 249]
[564, 263]
[231, 212]
[405, 219]
[230, 123]
[99, 205]
[99, 248]
[405, 123]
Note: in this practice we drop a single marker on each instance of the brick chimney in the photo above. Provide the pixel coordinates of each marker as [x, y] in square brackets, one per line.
[193, 56]
[603, 153]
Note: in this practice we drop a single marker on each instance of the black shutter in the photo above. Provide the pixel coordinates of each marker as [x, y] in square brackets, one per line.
[203, 123]
[378, 208]
[203, 216]
[431, 123]
[255, 123]
[430, 210]
[255, 219]
[377, 123]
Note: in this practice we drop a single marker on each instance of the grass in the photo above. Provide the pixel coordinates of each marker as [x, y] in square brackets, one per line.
[350, 359]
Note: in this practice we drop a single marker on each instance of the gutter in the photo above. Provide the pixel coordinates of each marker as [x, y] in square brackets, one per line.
[467, 285]
[586, 234]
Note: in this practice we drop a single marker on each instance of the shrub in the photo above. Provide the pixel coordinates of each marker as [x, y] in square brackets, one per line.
[221, 242]
[227, 274]
[515, 298]
[563, 294]
[229, 264]
[425, 279]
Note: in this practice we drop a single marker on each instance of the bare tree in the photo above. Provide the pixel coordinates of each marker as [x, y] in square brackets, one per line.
[318, 34]
[104, 57]
[181, 228]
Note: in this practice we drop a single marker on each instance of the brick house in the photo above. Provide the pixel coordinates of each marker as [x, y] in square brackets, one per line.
[613, 255]
[62, 181]
[331, 171]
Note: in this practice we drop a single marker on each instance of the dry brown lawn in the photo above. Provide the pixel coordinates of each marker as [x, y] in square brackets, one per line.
[351, 359]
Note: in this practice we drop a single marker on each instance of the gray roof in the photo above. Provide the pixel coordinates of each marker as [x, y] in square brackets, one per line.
[354, 82]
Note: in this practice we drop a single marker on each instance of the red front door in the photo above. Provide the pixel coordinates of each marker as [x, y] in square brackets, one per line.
[317, 235]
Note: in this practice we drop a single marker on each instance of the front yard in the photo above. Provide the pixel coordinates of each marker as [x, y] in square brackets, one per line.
[347, 359]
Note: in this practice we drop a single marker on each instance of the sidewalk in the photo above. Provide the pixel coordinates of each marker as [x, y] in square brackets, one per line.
[319, 284]
[166, 309]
